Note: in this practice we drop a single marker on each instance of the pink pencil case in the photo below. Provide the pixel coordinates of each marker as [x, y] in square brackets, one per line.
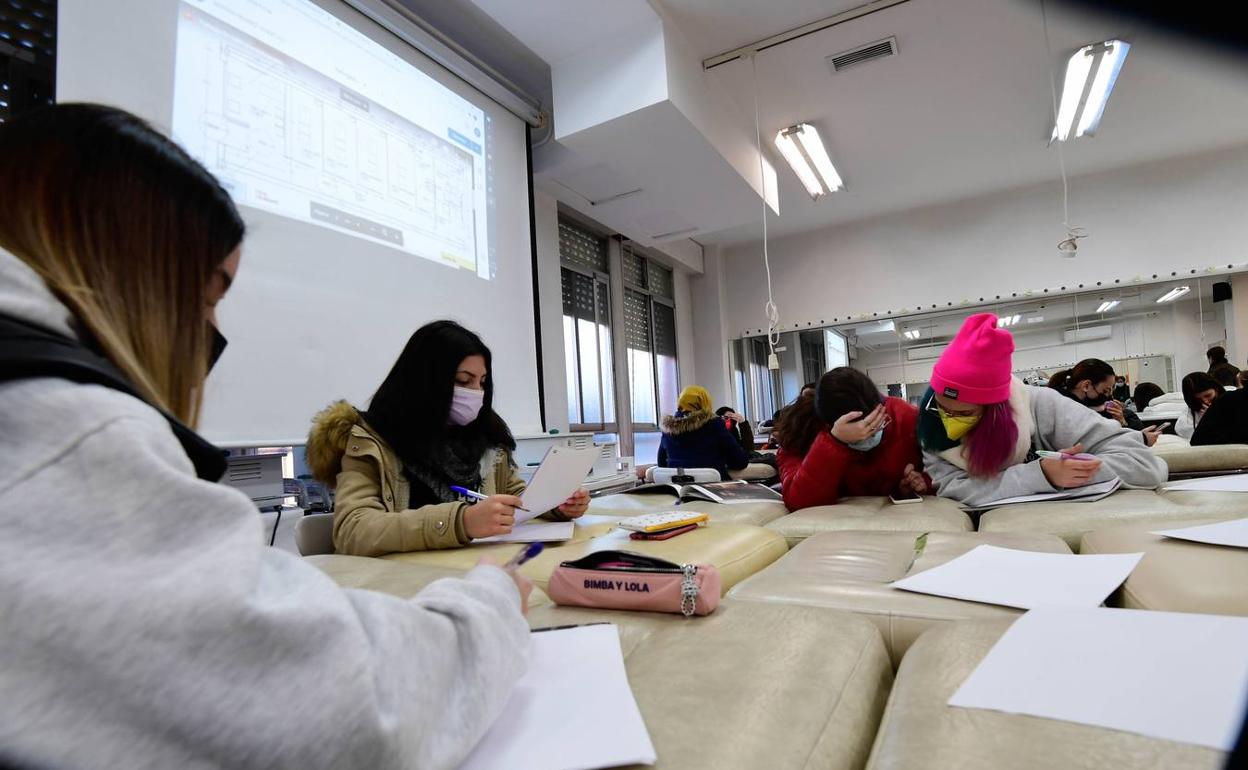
[624, 580]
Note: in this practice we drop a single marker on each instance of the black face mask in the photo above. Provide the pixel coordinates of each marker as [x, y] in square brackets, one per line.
[1097, 400]
[218, 345]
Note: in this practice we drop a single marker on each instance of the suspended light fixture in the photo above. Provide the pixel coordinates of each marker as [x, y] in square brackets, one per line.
[803, 149]
[1090, 76]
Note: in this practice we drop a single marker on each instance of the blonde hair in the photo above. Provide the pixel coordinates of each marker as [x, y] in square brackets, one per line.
[694, 399]
[127, 231]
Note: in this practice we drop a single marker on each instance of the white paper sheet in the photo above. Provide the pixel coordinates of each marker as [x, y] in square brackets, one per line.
[1234, 532]
[1174, 676]
[534, 532]
[561, 473]
[1025, 579]
[1235, 482]
[572, 710]
[1085, 494]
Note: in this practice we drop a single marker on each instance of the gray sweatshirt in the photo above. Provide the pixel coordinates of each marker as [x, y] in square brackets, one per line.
[145, 624]
[1049, 420]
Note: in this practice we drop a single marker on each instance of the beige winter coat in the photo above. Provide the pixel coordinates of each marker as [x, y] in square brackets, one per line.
[371, 516]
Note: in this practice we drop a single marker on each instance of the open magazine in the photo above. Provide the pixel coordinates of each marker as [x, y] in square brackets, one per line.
[717, 492]
[1085, 494]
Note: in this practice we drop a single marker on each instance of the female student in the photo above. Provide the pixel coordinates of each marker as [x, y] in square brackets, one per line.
[1092, 382]
[1200, 390]
[430, 427]
[848, 441]
[145, 622]
[979, 427]
[695, 438]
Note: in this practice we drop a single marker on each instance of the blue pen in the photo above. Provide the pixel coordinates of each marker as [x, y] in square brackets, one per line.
[468, 493]
[528, 553]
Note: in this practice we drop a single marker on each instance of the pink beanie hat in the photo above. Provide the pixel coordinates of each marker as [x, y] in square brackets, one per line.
[976, 367]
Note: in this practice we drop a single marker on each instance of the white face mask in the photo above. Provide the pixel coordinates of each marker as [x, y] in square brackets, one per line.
[466, 404]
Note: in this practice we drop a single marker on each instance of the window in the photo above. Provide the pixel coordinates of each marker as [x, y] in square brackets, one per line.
[27, 56]
[835, 352]
[650, 340]
[590, 373]
[813, 350]
[764, 383]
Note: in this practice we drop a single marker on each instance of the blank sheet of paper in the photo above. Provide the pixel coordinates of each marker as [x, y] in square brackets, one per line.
[572, 710]
[561, 473]
[1235, 482]
[1175, 676]
[533, 532]
[1233, 532]
[1024, 579]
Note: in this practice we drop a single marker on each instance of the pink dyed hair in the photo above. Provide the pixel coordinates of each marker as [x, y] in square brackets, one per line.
[990, 444]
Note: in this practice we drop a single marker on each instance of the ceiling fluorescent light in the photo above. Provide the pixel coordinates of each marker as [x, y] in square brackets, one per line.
[1090, 76]
[1008, 320]
[912, 334]
[1108, 305]
[803, 149]
[1173, 294]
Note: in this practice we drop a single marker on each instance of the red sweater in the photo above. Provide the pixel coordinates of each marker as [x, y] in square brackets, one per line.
[831, 470]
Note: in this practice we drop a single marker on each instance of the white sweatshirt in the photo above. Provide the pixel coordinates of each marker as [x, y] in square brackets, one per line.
[145, 624]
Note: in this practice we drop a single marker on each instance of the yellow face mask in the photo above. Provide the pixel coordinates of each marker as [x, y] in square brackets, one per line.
[957, 426]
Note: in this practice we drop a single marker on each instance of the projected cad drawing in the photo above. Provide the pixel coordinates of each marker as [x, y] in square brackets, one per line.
[299, 114]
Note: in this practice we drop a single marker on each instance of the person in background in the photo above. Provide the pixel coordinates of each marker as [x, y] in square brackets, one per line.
[1221, 369]
[848, 441]
[1144, 393]
[979, 427]
[1122, 392]
[146, 621]
[1091, 382]
[696, 438]
[1225, 420]
[1200, 390]
[738, 426]
[430, 427]
[807, 390]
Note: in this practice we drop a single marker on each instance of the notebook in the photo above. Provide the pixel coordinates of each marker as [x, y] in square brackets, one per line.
[1085, 494]
[727, 492]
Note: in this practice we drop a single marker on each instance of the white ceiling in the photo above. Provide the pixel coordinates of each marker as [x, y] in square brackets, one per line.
[965, 109]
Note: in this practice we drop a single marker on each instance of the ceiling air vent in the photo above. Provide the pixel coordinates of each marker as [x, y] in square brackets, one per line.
[862, 54]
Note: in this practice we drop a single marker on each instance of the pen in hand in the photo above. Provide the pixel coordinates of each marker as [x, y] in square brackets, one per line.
[524, 555]
[477, 496]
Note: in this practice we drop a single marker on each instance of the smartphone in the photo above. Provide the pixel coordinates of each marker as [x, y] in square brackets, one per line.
[664, 535]
[901, 498]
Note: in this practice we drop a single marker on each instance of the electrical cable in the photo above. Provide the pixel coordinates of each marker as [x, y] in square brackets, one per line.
[770, 311]
[1070, 245]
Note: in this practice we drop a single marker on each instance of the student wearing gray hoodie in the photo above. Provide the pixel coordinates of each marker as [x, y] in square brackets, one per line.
[980, 427]
[143, 622]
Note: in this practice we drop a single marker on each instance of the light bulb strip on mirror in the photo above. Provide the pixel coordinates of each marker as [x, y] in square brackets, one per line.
[1024, 296]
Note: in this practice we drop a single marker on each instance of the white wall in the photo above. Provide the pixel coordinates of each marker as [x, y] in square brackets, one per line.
[710, 330]
[1175, 214]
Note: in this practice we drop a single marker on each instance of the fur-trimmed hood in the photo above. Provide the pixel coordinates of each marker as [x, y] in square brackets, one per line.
[327, 441]
[685, 422]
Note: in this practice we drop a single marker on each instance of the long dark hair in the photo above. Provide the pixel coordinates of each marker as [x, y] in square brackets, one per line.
[411, 407]
[1092, 369]
[128, 231]
[1145, 392]
[798, 425]
[1198, 382]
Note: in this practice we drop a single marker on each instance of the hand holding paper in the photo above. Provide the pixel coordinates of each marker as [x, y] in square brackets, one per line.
[558, 477]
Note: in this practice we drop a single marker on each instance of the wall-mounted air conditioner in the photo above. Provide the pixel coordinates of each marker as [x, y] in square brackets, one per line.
[1087, 333]
[925, 353]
